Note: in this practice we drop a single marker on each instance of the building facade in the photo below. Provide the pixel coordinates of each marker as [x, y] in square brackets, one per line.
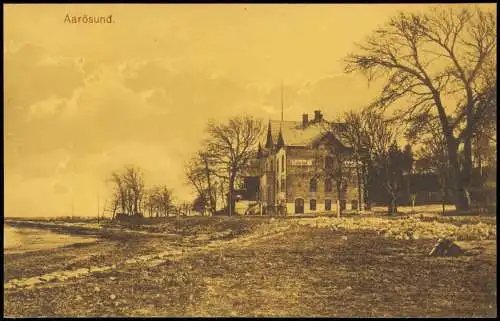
[298, 169]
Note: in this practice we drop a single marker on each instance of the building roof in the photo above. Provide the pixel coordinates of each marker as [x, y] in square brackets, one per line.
[295, 134]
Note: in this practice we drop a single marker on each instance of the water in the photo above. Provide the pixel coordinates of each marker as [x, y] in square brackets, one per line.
[19, 240]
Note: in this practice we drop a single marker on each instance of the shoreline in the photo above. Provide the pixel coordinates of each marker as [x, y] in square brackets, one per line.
[257, 256]
[82, 229]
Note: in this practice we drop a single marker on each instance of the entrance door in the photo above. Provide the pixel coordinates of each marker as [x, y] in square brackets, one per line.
[299, 206]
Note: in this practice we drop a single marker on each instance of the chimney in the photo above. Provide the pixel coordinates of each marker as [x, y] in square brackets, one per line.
[304, 120]
[317, 116]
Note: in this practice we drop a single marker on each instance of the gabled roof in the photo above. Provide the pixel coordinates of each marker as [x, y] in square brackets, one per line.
[295, 134]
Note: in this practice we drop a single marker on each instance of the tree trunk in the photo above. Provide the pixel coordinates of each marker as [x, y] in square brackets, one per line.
[136, 203]
[209, 184]
[443, 202]
[466, 174]
[214, 209]
[339, 197]
[461, 198]
[230, 201]
[393, 207]
[366, 186]
[361, 205]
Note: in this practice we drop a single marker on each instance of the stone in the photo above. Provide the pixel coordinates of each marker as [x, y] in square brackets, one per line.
[445, 247]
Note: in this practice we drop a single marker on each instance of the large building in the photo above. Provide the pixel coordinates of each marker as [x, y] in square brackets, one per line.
[296, 161]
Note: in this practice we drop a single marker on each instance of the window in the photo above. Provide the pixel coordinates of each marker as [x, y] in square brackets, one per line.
[312, 205]
[328, 162]
[277, 186]
[313, 185]
[282, 163]
[342, 205]
[328, 185]
[354, 204]
[328, 205]
[283, 184]
[277, 166]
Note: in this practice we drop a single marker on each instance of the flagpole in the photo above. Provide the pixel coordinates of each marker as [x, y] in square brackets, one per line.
[282, 101]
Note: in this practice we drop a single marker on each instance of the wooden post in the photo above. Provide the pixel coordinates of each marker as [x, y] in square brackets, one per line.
[97, 208]
[338, 208]
[103, 209]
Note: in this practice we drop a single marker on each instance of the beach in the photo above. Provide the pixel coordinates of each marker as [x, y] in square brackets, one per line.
[239, 266]
[20, 240]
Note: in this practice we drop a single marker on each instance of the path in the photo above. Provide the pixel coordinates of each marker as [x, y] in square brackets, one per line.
[150, 260]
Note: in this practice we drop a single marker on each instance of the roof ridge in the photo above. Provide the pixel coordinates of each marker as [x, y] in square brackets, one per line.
[285, 121]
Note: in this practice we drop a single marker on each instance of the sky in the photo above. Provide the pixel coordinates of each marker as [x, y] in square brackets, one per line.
[83, 100]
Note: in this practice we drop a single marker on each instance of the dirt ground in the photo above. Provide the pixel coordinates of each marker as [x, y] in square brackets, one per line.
[265, 268]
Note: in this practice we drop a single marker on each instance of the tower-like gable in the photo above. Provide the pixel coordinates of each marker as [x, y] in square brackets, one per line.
[269, 140]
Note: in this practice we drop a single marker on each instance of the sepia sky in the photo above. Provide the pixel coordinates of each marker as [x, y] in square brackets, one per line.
[82, 100]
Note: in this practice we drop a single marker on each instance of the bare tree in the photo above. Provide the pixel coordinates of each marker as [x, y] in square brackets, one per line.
[433, 149]
[200, 174]
[354, 131]
[128, 189]
[115, 203]
[393, 165]
[231, 146]
[165, 201]
[135, 186]
[185, 208]
[119, 191]
[159, 201]
[150, 201]
[434, 63]
[383, 154]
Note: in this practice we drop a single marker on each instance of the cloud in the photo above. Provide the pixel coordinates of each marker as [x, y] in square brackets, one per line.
[47, 107]
[60, 188]
[31, 75]
[132, 112]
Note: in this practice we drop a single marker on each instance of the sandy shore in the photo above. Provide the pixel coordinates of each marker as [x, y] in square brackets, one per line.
[248, 267]
[20, 240]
